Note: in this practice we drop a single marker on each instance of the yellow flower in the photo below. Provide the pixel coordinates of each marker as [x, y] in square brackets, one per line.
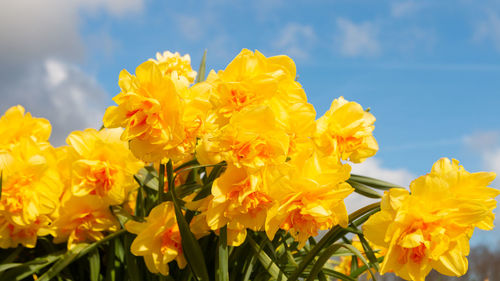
[464, 196]
[416, 239]
[15, 125]
[160, 116]
[173, 62]
[239, 202]
[83, 219]
[158, 239]
[102, 165]
[310, 197]
[346, 130]
[431, 227]
[31, 189]
[251, 139]
[252, 80]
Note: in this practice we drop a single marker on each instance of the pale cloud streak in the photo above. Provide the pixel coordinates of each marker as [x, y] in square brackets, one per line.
[296, 40]
[357, 39]
[489, 30]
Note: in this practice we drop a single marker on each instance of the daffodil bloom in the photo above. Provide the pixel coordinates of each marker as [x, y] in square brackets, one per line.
[310, 197]
[160, 116]
[83, 219]
[240, 202]
[169, 62]
[346, 130]
[102, 165]
[253, 80]
[465, 197]
[31, 188]
[431, 228]
[251, 139]
[158, 239]
[15, 124]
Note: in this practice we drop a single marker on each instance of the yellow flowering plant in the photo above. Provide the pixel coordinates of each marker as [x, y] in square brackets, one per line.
[223, 177]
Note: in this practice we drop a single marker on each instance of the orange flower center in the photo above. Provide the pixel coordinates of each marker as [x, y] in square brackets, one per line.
[171, 239]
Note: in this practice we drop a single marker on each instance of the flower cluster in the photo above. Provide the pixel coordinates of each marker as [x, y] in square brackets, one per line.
[247, 154]
[283, 168]
[63, 191]
[430, 227]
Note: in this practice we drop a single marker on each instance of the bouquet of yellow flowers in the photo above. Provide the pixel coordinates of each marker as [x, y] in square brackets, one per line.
[225, 176]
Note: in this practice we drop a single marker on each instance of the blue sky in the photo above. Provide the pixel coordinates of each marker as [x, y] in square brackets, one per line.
[429, 70]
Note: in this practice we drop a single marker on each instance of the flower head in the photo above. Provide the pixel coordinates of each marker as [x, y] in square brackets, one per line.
[431, 227]
[83, 219]
[240, 202]
[160, 116]
[346, 130]
[31, 188]
[15, 125]
[310, 197]
[102, 165]
[158, 239]
[173, 62]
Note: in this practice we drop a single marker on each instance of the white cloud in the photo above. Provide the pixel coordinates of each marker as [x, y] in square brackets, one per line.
[357, 39]
[404, 8]
[296, 40]
[489, 30]
[62, 93]
[373, 167]
[41, 42]
[190, 26]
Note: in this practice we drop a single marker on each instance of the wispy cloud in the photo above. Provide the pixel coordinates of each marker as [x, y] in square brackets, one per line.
[357, 39]
[41, 45]
[296, 40]
[488, 29]
[404, 8]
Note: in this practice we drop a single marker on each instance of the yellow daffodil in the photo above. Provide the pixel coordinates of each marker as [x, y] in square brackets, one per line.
[102, 165]
[15, 125]
[252, 80]
[83, 219]
[239, 202]
[169, 62]
[431, 227]
[464, 196]
[160, 115]
[158, 239]
[31, 189]
[346, 130]
[251, 139]
[310, 197]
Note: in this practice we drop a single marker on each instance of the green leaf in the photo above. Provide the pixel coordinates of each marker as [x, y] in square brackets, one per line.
[147, 177]
[358, 254]
[223, 270]
[190, 246]
[62, 263]
[370, 254]
[201, 69]
[161, 183]
[375, 183]
[266, 261]
[364, 190]
[325, 256]
[5, 266]
[94, 265]
[77, 252]
[131, 262]
[29, 268]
